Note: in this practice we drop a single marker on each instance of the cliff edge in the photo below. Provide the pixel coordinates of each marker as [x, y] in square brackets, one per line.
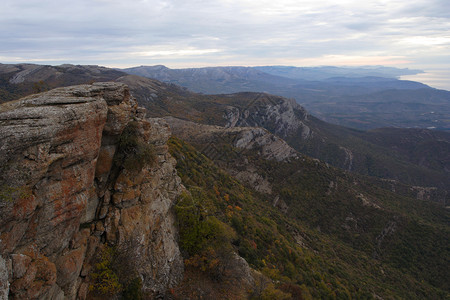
[84, 175]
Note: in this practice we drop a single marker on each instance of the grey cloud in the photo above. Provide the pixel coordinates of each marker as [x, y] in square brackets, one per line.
[432, 8]
[109, 32]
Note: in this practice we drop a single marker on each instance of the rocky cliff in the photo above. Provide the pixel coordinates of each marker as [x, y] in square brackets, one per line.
[279, 115]
[417, 157]
[211, 140]
[83, 173]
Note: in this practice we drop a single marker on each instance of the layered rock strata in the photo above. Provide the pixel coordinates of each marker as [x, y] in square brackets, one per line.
[66, 195]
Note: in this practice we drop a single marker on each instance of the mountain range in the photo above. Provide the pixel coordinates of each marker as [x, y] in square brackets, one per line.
[358, 98]
[417, 157]
[138, 188]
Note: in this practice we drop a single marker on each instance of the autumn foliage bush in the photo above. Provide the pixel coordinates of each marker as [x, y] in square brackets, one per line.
[114, 274]
[105, 280]
[205, 239]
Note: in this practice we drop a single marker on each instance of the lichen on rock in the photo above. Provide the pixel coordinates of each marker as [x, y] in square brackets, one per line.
[69, 194]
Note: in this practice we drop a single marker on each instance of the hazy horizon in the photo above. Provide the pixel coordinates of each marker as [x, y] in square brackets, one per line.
[435, 78]
[118, 33]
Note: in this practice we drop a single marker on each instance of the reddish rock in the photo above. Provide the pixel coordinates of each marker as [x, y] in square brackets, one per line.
[56, 154]
[40, 275]
[105, 161]
[69, 266]
[83, 291]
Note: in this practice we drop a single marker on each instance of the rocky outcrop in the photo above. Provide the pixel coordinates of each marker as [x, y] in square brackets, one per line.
[210, 139]
[257, 139]
[67, 194]
[281, 116]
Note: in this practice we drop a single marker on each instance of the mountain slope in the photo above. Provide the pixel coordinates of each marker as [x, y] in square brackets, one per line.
[358, 151]
[350, 224]
[24, 79]
[342, 147]
[350, 97]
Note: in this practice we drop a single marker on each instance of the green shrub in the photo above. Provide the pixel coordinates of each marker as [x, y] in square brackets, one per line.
[271, 292]
[7, 193]
[198, 230]
[205, 239]
[133, 152]
[40, 86]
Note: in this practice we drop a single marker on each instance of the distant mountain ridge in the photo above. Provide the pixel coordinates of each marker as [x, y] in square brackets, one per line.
[365, 102]
[216, 80]
[353, 97]
[326, 72]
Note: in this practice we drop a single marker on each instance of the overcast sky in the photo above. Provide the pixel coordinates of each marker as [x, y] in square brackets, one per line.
[186, 33]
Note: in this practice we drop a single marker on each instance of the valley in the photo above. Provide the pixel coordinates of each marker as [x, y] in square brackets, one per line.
[358, 98]
[153, 190]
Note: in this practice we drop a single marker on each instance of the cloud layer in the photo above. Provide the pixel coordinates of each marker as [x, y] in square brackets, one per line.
[181, 33]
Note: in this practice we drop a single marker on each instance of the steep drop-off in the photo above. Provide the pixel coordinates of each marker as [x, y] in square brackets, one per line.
[72, 193]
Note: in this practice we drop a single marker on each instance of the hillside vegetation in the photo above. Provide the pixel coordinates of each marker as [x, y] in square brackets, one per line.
[328, 244]
[416, 157]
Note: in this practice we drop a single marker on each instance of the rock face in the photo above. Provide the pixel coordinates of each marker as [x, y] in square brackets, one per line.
[255, 139]
[279, 115]
[66, 195]
[268, 145]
